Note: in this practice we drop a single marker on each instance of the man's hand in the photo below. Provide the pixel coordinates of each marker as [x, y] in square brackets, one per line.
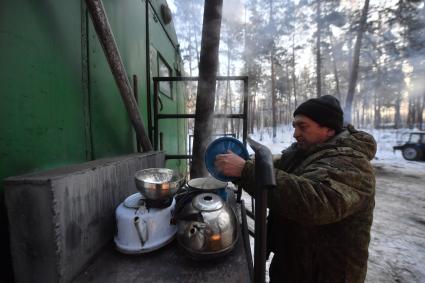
[229, 164]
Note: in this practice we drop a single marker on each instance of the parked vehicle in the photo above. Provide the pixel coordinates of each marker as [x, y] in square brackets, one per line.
[414, 148]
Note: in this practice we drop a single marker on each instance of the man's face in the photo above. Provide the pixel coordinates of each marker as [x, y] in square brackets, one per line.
[308, 133]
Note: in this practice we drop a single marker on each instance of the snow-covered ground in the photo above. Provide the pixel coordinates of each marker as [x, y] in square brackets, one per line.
[397, 248]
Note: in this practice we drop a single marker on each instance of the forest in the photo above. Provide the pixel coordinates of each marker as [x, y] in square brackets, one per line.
[368, 54]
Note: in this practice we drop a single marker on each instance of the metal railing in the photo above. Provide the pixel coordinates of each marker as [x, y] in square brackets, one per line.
[265, 176]
[154, 130]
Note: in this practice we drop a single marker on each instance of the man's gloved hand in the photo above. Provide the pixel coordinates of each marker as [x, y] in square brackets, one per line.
[230, 164]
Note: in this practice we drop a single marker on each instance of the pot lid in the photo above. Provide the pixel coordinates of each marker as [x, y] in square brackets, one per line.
[220, 146]
[208, 183]
[207, 202]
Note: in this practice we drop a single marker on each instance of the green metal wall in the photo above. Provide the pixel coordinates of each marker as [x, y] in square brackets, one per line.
[112, 133]
[59, 101]
[41, 110]
[173, 130]
[60, 104]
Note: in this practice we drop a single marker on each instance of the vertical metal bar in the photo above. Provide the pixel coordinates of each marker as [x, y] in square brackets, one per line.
[265, 180]
[244, 127]
[136, 97]
[245, 110]
[239, 194]
[155, 113]
[161, 141]
[190, 143]
[148, 74]
[260, 247]
[253, 206]
[85, 78]
[247, 245]
[107, 40]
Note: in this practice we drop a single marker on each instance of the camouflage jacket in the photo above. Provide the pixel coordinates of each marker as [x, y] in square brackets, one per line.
[321, 211]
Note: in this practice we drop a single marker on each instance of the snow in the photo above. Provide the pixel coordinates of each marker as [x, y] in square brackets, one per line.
[397, 247]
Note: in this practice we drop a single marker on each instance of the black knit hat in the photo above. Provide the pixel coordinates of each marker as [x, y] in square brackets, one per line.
[325, 110]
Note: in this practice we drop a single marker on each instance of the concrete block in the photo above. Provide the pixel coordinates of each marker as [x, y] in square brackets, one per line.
[60, 219]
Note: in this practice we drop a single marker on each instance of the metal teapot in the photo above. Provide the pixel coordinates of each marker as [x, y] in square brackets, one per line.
[207, 227]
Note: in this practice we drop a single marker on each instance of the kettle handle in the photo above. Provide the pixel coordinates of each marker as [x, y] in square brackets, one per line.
[142, 229]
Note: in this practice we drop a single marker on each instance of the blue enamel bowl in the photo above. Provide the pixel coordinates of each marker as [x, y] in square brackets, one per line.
[220, 146]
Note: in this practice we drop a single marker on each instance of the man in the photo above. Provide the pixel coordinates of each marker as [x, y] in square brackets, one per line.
[321, 210]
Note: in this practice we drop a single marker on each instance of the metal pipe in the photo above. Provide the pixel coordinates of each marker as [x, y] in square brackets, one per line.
[136, 97]
[265, 180]
[148, 73]
[185, 116]
[245, 234]
[155, 114]
[178, 156]
[245, 110]
[245, 126]
[107, 40]
[180, 79]
[86, 82]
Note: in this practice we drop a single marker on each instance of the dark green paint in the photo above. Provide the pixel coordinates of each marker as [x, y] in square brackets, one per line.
[59, 101]
[41, 113]
[60, 104]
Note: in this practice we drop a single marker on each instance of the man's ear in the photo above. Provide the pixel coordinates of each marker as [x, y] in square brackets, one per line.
[330, 133]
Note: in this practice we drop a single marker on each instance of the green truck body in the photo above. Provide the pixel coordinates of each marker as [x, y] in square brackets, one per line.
[60, 104]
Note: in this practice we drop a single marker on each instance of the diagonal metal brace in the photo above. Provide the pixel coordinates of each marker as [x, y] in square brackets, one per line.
[107, 40]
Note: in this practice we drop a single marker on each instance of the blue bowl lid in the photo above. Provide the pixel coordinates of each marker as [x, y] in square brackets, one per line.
[220, 146]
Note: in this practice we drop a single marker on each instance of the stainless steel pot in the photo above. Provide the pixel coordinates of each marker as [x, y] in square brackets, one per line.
[207, 227]
[158, 183]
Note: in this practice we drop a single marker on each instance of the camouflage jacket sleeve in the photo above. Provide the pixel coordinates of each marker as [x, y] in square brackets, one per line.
[325, 190]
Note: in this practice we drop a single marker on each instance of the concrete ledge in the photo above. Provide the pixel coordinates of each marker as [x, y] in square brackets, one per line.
[60, 219]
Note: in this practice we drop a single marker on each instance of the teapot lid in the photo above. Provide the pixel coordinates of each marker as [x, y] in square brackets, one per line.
[207, 202]
[208, 183]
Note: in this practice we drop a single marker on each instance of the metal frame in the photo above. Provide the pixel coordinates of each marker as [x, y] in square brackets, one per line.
[245, 236]
[257, 270]
[265, 180]
[154, 131]
[191, 136]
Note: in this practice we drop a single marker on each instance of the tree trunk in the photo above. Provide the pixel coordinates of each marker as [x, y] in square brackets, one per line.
[418, 105]
[192, 31]
[410, 114]
[337, 89]
[355, 66]
[421, 113]
[190, 51]
[397, 116]
[377, 111]
[252, 113]
[227, 98]
[294, 79]
[229, 92]
[273, 74]
[208, 66]
[318, 53]
[377, 116]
